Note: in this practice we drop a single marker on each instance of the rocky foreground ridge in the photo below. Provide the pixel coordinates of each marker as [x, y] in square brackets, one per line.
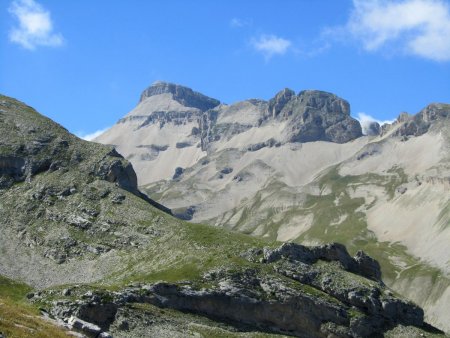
[308, 292]
[102, 260]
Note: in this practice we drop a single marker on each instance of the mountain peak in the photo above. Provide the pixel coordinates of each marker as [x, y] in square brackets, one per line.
[184, 95]
[279, 101]
[435, 111]
[325, 100]
[420, 123]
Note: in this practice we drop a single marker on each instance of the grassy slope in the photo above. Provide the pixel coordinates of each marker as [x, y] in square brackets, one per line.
[353, 231]
[18, 318]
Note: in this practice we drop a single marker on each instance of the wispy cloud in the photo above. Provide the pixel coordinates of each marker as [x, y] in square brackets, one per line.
[366, 120]
[240, 23]
[91, 136]
[270, 45]
[34, 27]
[415, 27]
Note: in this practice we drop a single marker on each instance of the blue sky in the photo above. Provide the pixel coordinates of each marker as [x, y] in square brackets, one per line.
[84, 63]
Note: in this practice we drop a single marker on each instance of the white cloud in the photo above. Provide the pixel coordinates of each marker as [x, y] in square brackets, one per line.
[35, 27]
[417, 27]
[91, 136]
[271, 45]
[365, 120]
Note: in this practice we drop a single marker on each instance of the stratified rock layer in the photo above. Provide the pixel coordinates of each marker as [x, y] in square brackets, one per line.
[307, 294]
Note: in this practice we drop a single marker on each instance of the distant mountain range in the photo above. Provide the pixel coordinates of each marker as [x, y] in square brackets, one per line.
[299, 168]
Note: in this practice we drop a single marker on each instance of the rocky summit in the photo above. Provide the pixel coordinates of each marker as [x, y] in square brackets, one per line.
[85, 253]
[299, 168]
[183, 95]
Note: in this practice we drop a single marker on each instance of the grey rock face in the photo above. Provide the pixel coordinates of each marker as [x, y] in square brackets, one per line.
[324, 101]
[186, 213]
[207, 128]
[231, 304]
[435, 112]
[269, 143]
[320, 116]
[183, 95]
[178, 172]
[224, 122]
[162, 117]
[312, 115]
[277, 103]
[117, 172]
[361, 264]
[420, 123]
[93, 311]
[367, 266]
[89, 329]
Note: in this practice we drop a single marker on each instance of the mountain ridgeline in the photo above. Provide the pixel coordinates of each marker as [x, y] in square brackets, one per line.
[311, 115]
[299, 168]
[170, 117]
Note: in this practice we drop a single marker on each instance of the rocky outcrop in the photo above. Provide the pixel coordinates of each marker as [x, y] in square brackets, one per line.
[361, 264]
[47, 147]
[184, 95]
[307, 295]
[367, 266]
[320, 116]
[120, 173]
[177, 174]
[12, 169]
[277, 103]
[269, 143]
[420, 123]
[236, 303]
[89, 329]
[67, 187]
[29, 149]
[207, 123]
[199, 125]
[185, 213]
